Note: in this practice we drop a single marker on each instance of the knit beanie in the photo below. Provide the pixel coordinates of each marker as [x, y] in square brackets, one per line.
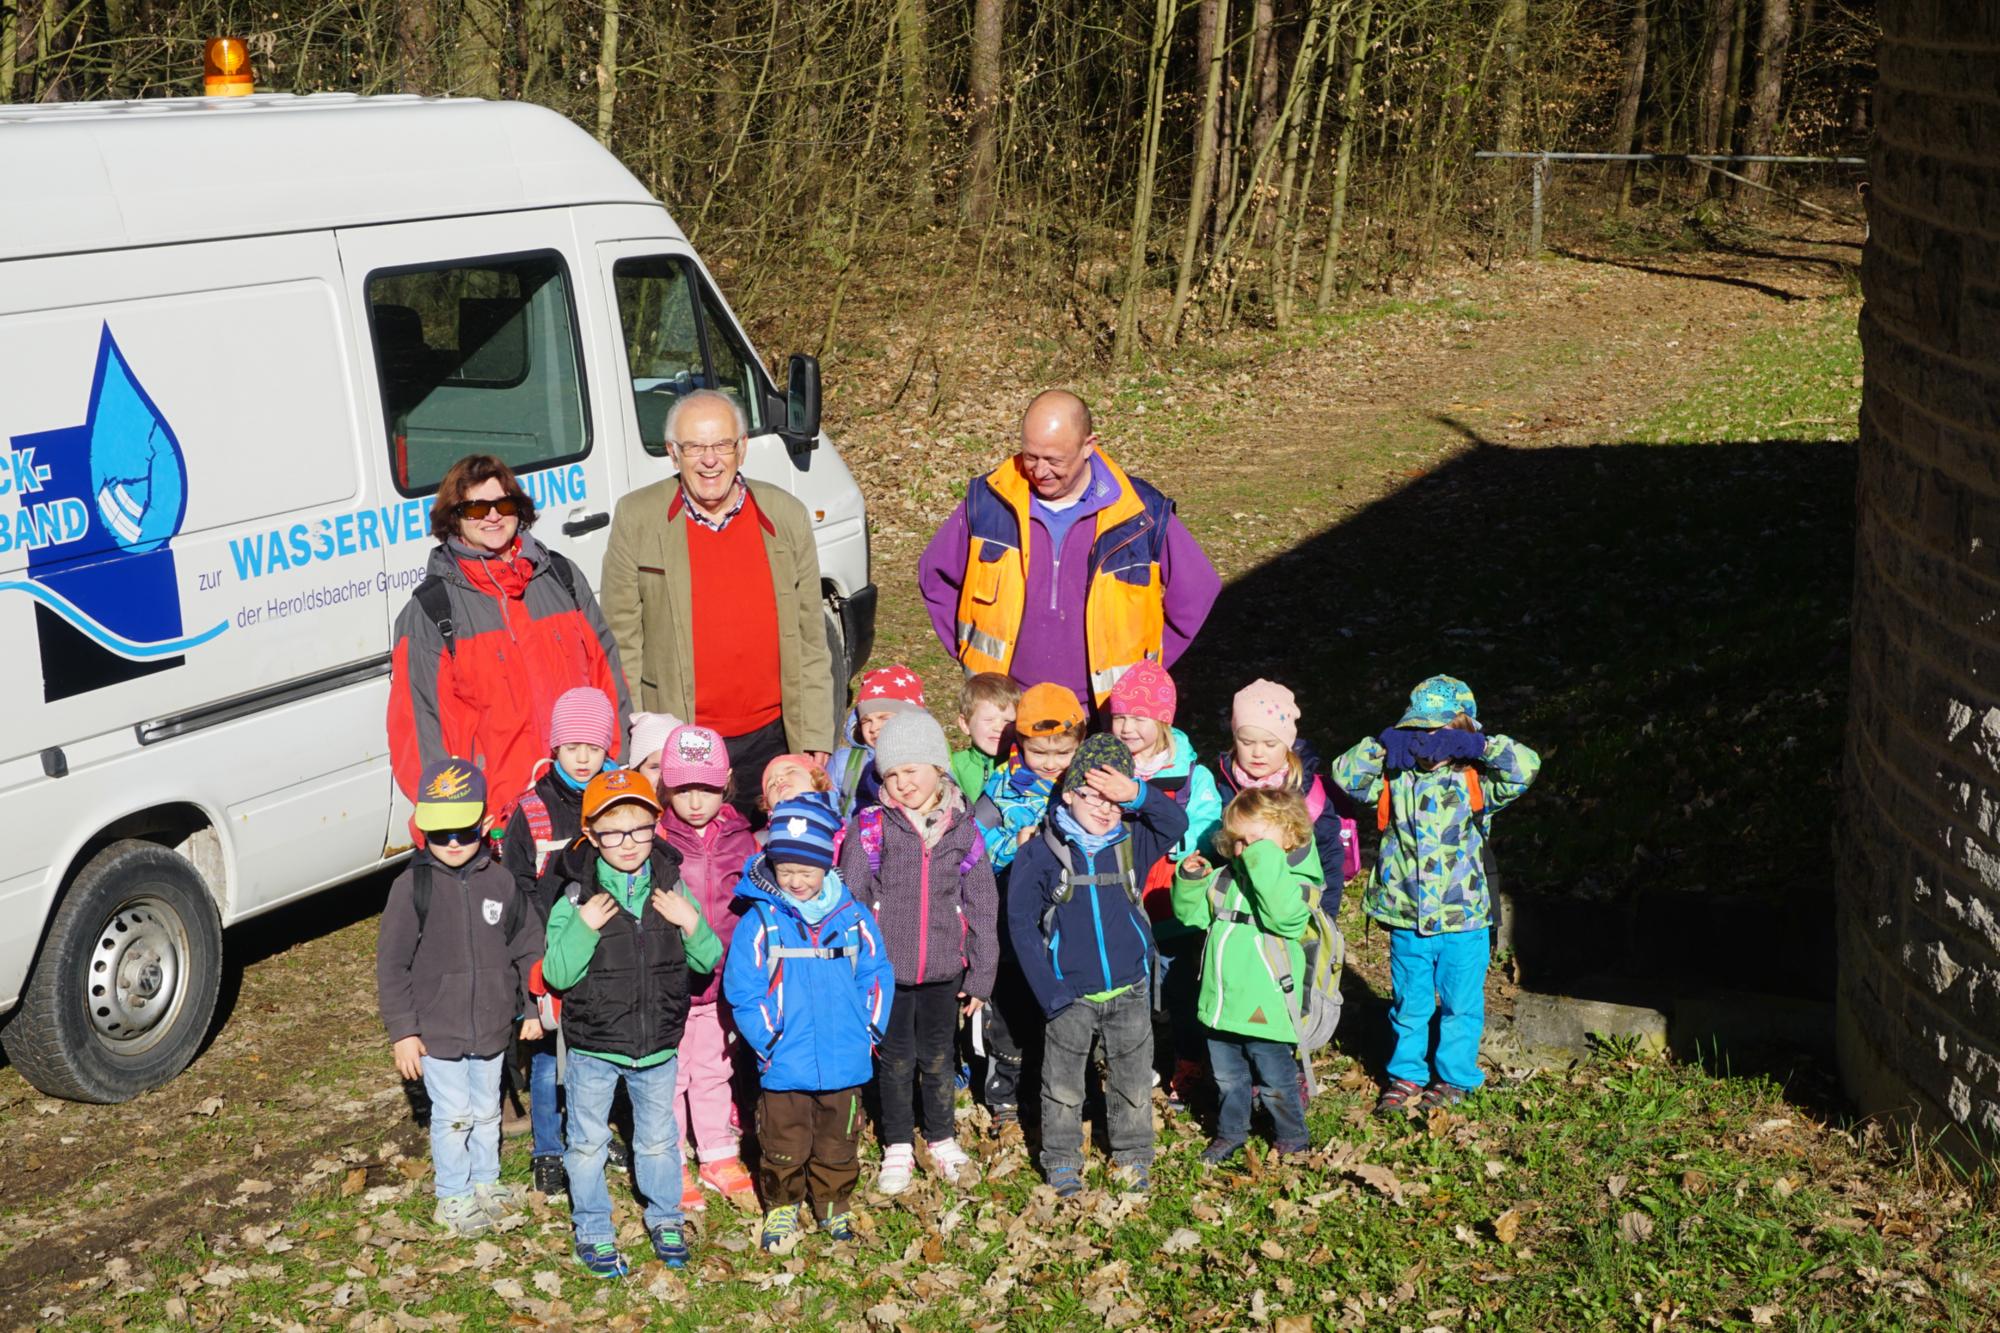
[1100, 751]
[649, 734]
[1269, 706]
[890, 689]
[584, 716]
[694, 757]
[801, 833]
[911, 738]
[1145, 690]
[1437, 701]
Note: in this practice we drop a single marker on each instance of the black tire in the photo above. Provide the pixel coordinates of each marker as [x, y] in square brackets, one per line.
[121, 996]
[843, 671]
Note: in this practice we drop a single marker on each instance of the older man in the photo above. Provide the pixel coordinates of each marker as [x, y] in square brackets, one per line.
[1060, 567]
[711, 587]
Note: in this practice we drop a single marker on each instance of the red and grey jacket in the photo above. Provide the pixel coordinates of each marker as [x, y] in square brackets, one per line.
[480, 681]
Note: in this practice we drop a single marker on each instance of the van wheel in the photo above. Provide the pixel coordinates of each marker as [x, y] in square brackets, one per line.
[123, 992]
[836, 647]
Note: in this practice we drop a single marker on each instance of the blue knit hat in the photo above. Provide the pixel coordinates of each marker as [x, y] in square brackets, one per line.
[801, 832]
[1437, 701]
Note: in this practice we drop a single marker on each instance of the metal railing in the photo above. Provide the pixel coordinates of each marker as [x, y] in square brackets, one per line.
[1540, 172]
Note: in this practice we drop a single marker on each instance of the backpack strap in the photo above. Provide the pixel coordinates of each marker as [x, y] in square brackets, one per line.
[986, 812]
[850, 778]
[868, 823]
[541, 828]
[973, 856]
[1315, 795]
[420, 894]
[435, 600]
[565, 574]
[1474, 792]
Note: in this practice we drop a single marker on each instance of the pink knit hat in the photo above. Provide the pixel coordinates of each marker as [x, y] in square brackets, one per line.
[1145, 690]
[1269, 706]
[694, 757]
[583, 716]
[649, 735]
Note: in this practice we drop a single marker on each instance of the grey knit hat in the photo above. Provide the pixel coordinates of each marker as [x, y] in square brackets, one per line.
[911, 738]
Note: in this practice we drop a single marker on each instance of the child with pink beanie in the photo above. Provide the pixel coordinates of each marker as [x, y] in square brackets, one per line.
[1142, 706]
[649, 737]
[699, 821]
[1265, 751]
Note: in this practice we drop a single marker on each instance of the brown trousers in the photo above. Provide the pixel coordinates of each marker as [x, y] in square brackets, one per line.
[808, 1146]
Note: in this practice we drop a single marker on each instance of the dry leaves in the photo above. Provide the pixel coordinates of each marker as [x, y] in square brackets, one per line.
[1378, 1178]
[1507, 1226]
[1634, 1227]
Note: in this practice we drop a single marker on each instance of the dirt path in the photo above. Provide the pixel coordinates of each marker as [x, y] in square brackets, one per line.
[1262, 447]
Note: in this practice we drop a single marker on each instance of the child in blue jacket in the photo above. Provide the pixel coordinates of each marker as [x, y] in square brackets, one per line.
[810, 984]
[1085, 948]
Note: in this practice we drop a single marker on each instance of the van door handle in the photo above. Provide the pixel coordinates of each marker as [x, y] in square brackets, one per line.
[576, 527]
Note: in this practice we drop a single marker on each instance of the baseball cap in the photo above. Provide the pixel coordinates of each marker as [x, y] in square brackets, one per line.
[1045, 709]
[615, 787]
[451, 794]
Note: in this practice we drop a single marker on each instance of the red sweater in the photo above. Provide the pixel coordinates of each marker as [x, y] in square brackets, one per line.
[738, 681]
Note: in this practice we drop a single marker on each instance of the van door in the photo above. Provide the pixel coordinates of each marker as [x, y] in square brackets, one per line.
[473, 330]
[677, 336]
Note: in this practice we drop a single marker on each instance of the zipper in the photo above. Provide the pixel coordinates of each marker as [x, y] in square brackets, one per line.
[646, 1004]
[471, 943]
[923, 908]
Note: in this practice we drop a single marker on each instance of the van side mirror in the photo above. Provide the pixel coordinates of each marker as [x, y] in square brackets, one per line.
[802, 402]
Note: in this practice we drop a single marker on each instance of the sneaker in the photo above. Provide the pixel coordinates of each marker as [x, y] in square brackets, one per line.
[899, 1163]
[619, 1158]
[1397, 1096]
[1441, 1094]
[963, 1078]
[781, 1229]
[669, 1246]
[949, 1160]
[1219, 1151]
[1133, 1178]
[1004, 1117]
[1305, 1089]
[731, 1179]
[839, 1226]
[496, 1201]
[602, 1259]
[549, 1177]
[1180, 1088]
[691, 1197]
[1066, 1181]
[462, 1216]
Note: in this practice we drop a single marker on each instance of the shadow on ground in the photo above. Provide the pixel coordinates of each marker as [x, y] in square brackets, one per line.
[1667, 624]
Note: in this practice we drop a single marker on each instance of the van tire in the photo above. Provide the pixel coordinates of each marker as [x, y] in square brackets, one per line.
[137, 930]
[843, 672]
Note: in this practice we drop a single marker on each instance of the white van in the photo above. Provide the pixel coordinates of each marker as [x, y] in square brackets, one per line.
[240, 342]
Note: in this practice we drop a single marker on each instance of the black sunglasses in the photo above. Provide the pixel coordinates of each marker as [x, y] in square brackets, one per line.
[506, 506]
[454, 837]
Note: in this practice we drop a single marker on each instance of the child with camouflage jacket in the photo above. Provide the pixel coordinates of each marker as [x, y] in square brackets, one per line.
[1435, 780]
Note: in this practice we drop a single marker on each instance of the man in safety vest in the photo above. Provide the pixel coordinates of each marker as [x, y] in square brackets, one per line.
[1061, 567]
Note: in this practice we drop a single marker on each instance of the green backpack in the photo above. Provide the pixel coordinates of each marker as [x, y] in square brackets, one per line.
[1313, 997]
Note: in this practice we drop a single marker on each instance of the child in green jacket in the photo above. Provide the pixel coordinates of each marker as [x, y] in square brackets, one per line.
[1255, 910]
[987, 703]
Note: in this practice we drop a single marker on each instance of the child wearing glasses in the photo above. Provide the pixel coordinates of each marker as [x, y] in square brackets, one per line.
[458, 938]
[714, 841]
[623, 938]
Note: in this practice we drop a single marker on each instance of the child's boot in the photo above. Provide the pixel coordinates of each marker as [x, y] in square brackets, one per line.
[728, 1177]
[496, 1201]
[691, 1197]
[781, 1229]
[899, 1163]
[1398, 1097]
[669, 1245]
[838, 1226]
[549, 1177]
[950, 1162]
[462, 1216]
[602, 1259]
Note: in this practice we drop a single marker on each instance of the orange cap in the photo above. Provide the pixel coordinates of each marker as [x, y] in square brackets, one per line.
[1046, 709]
[615, 787]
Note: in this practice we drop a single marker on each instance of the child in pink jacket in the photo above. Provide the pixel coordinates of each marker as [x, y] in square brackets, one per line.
[714, 841]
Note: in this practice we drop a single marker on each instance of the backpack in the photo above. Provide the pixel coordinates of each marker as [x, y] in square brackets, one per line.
[435, 599]
[1127, 876]
[1475, 797]
[1350, 832]
[850, 778]
[776, 954]
[1314, 996]
[541, 827]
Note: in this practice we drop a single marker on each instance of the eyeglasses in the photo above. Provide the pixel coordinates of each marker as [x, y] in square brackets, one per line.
[719, 449]
[613, 837]
[1091, 797]
[453, 837]
[506, 506]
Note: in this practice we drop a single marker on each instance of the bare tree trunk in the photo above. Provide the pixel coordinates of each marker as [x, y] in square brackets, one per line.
[416, 34]
[1626, 124]
[607, 73]
[1295, 223]
[1512, 30]
[1760, 133]
[988, 31]
[1715, 76]
[541, 42]
[475, 52]
[1732, 99]
[1124, 348]
[1343, 161]
[911, 24]
[1214, 23]
[10, 37]
[1264, 70]
[1227, 132]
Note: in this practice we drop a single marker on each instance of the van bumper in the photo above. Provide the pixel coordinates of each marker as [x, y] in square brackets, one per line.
[857, 627]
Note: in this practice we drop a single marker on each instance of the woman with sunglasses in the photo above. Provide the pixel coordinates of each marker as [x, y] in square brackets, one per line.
[500, 627]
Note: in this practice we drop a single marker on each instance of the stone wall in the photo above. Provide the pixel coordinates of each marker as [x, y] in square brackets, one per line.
[1919, 846]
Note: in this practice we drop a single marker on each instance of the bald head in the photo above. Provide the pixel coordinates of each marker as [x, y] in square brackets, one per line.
[1057, 439]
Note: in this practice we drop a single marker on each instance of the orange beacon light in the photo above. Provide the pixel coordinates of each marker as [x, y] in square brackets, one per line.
[225, 68]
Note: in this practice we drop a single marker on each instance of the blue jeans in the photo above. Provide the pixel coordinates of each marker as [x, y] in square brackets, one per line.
[1445, 975]
[465, 1123]
[1244, 1066]
[656, 1153]
[544, 1111]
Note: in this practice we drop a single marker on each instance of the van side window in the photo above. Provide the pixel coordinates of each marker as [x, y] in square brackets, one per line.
[477, 356]
[676, 341]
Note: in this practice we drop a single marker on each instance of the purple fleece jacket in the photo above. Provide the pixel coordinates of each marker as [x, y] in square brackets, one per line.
[1050, 644]
[937, 925]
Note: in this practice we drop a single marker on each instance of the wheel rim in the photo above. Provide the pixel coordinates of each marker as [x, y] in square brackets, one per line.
[135, 977]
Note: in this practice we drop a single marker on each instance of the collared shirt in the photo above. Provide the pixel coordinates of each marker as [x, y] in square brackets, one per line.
[702, 516]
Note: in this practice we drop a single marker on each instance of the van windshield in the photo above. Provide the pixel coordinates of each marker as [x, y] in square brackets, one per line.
[678, 339]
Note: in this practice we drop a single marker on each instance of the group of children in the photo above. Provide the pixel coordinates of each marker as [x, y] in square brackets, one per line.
[1045, 894]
